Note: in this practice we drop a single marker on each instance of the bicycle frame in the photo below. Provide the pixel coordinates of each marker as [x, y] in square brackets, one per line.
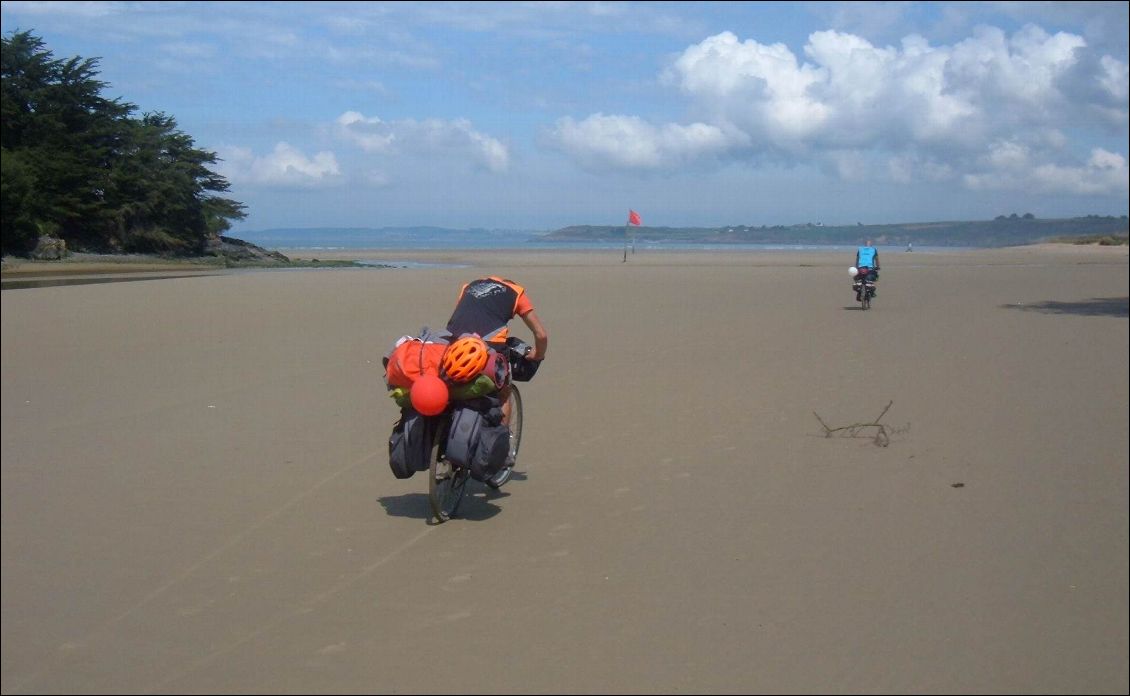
[864, 287]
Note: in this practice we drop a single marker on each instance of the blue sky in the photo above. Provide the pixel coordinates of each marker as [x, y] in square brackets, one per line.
[537, 115]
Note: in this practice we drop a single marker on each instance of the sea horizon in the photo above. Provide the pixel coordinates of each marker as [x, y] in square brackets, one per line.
[433, 239]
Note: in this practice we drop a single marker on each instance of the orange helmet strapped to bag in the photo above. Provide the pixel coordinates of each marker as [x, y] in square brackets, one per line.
[465, 358]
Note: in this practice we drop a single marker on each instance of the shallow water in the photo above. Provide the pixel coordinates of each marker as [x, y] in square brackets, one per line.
[50, 282]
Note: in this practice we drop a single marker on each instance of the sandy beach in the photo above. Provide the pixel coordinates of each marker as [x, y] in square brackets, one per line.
[197, 498]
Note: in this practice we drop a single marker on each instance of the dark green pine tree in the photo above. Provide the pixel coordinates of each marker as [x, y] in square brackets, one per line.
[160, 191]
[77, 166]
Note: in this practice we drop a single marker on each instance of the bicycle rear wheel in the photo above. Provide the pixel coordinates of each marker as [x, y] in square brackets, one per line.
[446, 482]
[515, 426]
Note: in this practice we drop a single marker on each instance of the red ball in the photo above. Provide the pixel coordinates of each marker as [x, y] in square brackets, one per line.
[429, 395]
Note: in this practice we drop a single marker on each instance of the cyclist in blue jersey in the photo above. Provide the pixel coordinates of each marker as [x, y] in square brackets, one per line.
[867, 261]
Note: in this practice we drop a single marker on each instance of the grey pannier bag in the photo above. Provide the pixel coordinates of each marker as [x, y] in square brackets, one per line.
[491, 452]
[477, 439]
[410, 444]
[463, 436]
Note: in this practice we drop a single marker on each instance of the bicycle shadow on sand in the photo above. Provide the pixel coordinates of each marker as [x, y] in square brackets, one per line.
[476, 506]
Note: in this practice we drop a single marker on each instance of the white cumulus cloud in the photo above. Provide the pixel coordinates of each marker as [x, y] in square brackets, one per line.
[1012, 166]
[284, 166]
[763, 89]
[855, 93]
[455, 138]
[631, 142]
[980, 110]
[370, 134]
[1115, 78]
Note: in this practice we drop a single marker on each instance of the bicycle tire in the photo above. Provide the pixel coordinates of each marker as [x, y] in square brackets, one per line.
[515, 425]
[446, 484]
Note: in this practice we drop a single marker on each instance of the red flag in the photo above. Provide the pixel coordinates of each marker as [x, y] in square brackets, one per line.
[634, 218]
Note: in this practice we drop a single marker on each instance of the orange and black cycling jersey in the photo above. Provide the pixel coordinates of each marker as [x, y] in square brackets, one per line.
[486, 306]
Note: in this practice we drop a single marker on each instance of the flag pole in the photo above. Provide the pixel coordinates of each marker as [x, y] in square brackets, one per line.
[626, 226]
[633, 219]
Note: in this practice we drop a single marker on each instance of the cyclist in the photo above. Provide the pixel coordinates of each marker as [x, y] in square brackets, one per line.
[867, 262]
[485, 307]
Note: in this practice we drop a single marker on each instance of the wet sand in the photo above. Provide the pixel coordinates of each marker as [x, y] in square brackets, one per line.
[196, 495]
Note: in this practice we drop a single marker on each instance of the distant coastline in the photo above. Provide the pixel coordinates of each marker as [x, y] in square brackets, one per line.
[1003, 231]
[1013, 230]
[327, 247]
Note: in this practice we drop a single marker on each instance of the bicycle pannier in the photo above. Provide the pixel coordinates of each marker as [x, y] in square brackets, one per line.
[491, 452]
[523, 369]
[409, 445]
[477, 439]
[463, 436]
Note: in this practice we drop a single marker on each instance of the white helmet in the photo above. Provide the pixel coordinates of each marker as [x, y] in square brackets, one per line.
[853, 271]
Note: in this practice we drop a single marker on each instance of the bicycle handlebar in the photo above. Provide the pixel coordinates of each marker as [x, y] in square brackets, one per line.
[522, 369]
[518, 347]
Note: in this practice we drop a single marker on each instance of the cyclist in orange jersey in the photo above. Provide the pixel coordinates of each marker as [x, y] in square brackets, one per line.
[485, 307]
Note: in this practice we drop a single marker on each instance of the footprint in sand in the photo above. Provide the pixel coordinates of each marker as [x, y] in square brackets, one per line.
[196, 609]
[450, 585]
[458, 616]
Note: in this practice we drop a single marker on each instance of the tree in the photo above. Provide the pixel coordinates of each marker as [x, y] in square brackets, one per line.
[159, 192]
[78, 164]
[17, 191]
[65, 131]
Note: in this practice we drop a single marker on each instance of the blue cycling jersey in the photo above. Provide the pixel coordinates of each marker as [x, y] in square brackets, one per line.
[865, 257]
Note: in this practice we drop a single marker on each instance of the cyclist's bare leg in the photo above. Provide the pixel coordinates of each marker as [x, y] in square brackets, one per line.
[504, 394]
